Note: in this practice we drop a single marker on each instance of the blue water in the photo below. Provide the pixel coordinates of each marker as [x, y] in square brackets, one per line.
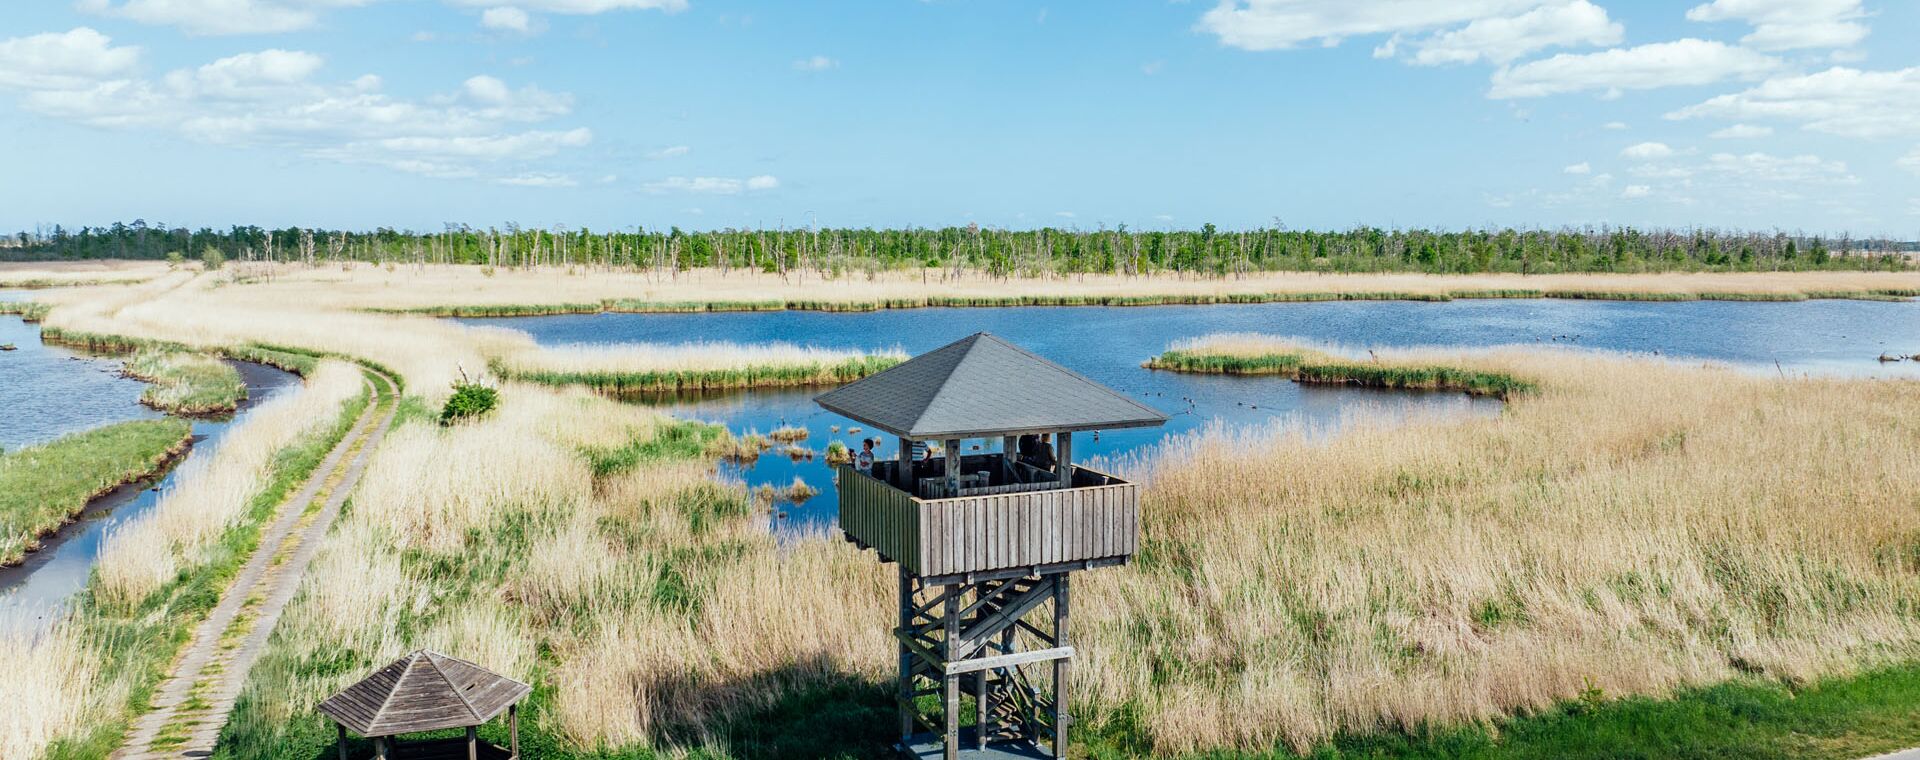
[48, 391]
[1109, 344]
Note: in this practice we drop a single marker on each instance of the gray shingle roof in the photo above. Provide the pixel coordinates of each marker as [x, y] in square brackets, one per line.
[423, 691]
[981, 386]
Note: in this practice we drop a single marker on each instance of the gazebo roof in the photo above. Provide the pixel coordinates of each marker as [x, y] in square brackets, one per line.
[982, 386]
[423, 691]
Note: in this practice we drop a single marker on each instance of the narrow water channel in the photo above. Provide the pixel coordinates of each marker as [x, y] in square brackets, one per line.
[48, 391]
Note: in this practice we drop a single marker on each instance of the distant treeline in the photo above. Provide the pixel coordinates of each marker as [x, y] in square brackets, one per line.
[834, 252]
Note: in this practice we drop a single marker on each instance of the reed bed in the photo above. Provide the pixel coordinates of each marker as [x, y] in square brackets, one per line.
[1254, 354]
[211, 494]
[43, 487]
[641, 596]
[644, 368]
[28, 311]
[51, 681]
[1629, 527]
[187, 383]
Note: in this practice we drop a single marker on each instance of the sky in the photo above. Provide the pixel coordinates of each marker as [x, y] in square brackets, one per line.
[1324, 114]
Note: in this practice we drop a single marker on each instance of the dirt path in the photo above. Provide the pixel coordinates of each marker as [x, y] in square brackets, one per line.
[191, 706]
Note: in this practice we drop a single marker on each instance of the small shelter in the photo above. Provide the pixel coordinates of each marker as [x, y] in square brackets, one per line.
[428, 691]
[985, 543]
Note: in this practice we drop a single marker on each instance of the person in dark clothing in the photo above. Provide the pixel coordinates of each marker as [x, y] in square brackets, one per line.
[1043, 453]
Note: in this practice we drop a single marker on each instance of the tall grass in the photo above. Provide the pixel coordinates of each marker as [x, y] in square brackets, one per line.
[210, 494]
[187, 383]
[1253, 354]
[1631, 527]
[44, 486]
[695, 366]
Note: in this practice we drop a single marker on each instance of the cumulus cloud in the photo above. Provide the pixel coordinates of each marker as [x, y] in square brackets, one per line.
[1647, 150]
[1282, 24]
[212, 17]
[712, 185]
[1615, 125]
[1840, 101]
[1502, 39]
[1790, 24]
[1579, 168]
[276, 99]
[507, 19]
[815, 63]
[586, 7]
[1763, 167]
[1636, 191]
[539, 179]
[57, 60]
[1741, 132]
[1911, 161]
[1661, 64]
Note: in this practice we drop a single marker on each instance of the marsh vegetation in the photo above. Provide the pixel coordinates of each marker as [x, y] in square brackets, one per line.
[187, 383]
[44, 486]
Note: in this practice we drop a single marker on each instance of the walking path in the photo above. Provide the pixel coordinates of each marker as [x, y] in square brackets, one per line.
[192, 705]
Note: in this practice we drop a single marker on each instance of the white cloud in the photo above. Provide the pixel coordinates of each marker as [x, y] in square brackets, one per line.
[1579, 168]
[1789, 169]
[674, 151]
[1661, 64]
[1741, 132]
[1656, 171]
[220, 16]
[272, 99]
[815, 63]
[507, 19]
[712, 185]
[1502, 39]
[1636, 191]
[1840, 100]
[1647, 150]
[1616, 126]
[56, 60]
[539, 179]
[1911, 161]
[1282, 24]
[1790, 24]
[1065, 214]
[586, 7]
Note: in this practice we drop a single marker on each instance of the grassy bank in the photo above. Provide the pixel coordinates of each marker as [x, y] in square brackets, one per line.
[120, 639]
[29, 311]
[701, 366]
[187, 383]
[44, 486]
[1258, 355]
[620, 305]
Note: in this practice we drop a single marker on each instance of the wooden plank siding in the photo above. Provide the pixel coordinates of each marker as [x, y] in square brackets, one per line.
[932, 537]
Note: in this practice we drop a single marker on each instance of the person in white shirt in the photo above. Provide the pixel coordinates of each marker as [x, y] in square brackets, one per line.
[863, 461]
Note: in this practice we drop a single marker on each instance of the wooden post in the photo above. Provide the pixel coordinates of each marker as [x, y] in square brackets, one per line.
[906, 657]
[1060, 667]
[513, 730]
[1009, 453]
[950, 684]
[342, 743]
[473, 743]
[380, 748]
[980, 699]
[905, 475]
[953, 467]
[1065, 464]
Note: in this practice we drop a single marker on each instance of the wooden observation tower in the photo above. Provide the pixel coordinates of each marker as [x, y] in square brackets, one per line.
[984, 542]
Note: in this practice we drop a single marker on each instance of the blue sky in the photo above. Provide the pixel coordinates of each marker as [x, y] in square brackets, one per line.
[1797, 114]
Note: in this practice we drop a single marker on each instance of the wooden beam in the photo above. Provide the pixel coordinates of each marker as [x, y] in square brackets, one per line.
[513, 728]
[1009, 660]
[951, 684]
[907, 712]
[905, 474]
[1061, 668]
[473, 743]
[342, 742]
[1064, 467]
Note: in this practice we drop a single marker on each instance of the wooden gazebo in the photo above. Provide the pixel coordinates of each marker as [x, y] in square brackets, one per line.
[428, 691]
[984, 541]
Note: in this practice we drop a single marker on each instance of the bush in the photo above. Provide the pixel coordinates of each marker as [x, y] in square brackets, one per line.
[211, 258]
[468, 400]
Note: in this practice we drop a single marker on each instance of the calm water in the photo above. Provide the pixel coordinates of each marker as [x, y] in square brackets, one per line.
[47, 391]
[1109, 344]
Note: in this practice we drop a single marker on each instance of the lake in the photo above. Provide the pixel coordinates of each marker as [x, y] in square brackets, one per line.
[1108, 344]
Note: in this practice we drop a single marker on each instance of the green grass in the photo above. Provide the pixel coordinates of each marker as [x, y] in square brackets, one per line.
[42, 487]
[676, 440]
[620, 383]
[1746, 719]
[1308, 367]
[29, 311]
[40, 283]
[187, 383]
[137, 646]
